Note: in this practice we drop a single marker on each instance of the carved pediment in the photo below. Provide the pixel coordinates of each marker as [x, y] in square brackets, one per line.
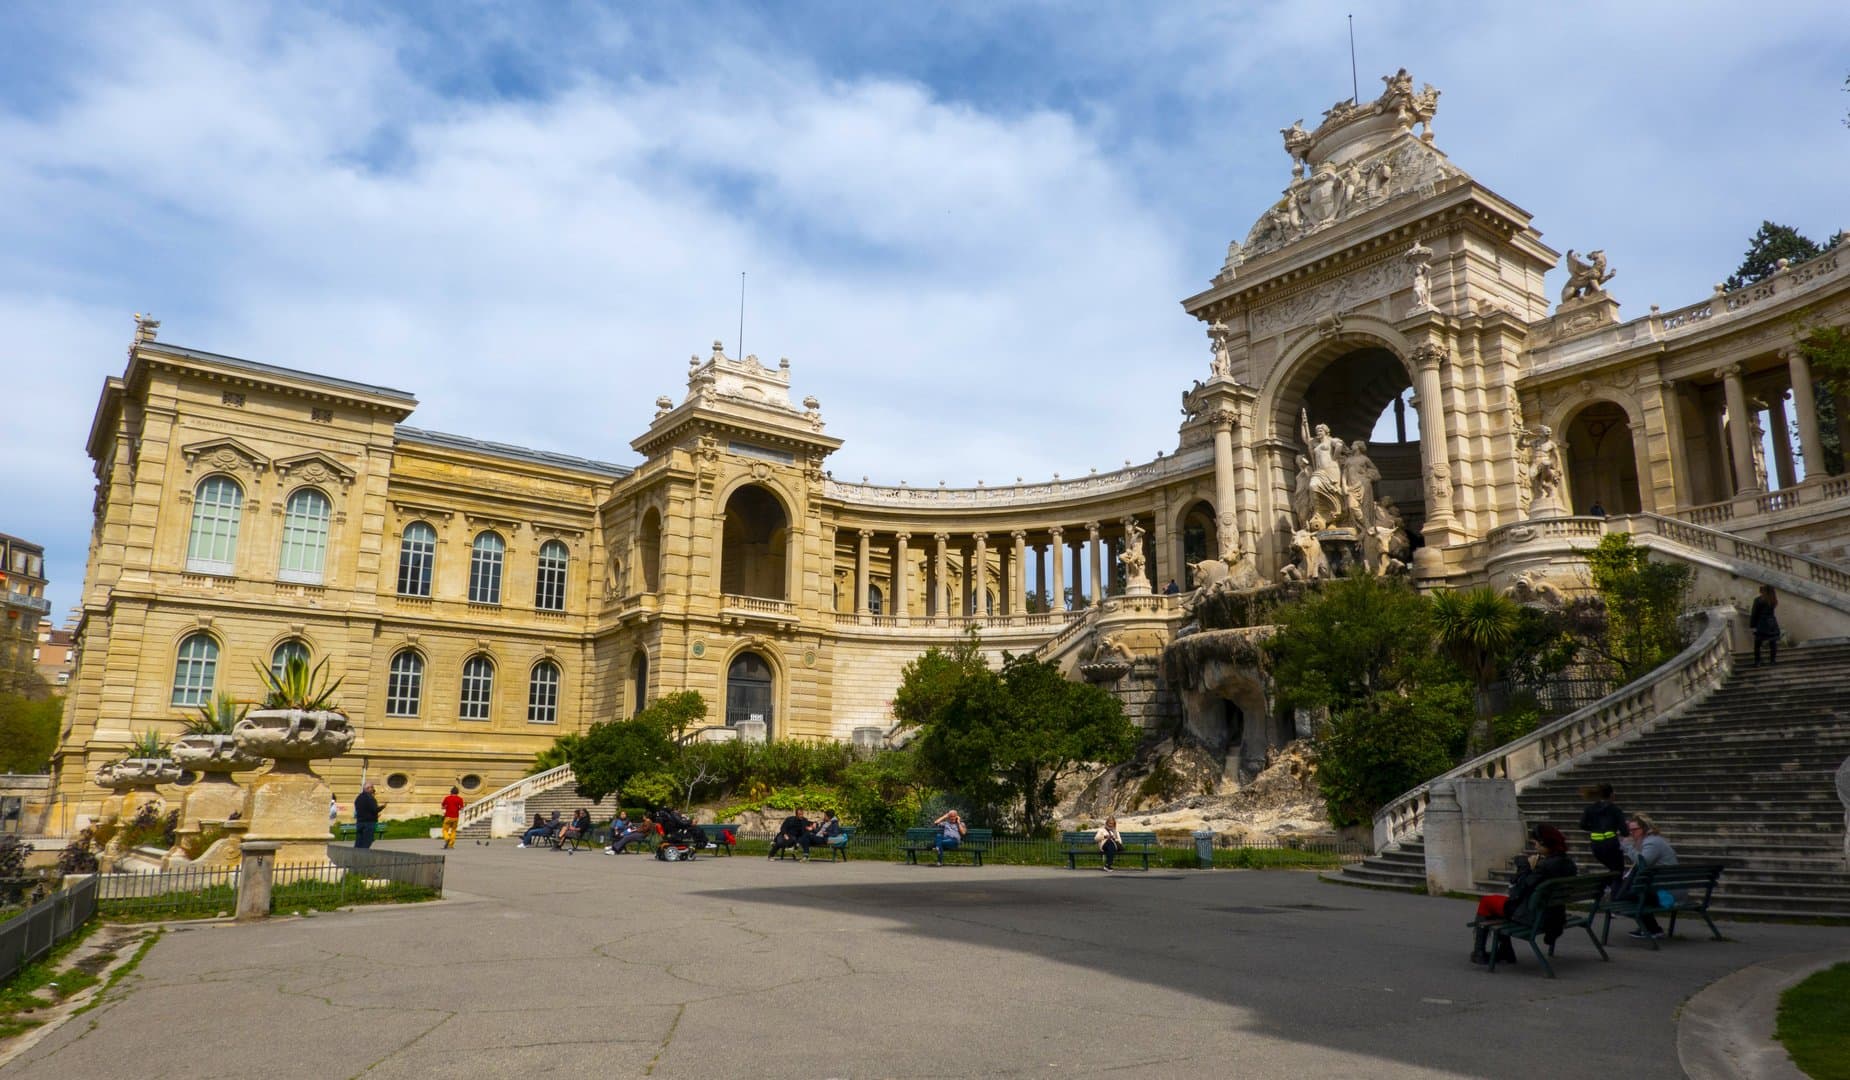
[223, 454]
[315, 467]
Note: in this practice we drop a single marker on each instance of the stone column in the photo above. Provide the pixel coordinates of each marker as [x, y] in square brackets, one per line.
[1097, 593]
[860, 571]
[1056, 597]
[940, 592]
[1077, 549]
[1682, 484]
[1040, 575]
[1740, 430]
[899, 574]
[1018, 579]
[1249, 511]
[1226, 514]
[1782, 442]
[1805, 407]
[979, 575]
[1440, 528]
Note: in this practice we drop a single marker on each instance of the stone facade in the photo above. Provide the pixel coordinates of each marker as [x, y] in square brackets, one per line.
[247, 507]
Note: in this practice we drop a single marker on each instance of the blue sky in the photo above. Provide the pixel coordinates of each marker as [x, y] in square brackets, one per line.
[967, 225]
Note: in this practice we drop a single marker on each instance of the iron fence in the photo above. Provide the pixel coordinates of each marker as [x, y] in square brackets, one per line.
[1230, 852]
[33, 932]
[189, 892]
[350, 876]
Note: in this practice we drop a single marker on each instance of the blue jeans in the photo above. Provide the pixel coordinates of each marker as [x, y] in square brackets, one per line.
[944, 844]
[363, 833]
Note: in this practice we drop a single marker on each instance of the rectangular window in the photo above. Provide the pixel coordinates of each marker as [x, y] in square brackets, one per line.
[478, 684]
[417, 554]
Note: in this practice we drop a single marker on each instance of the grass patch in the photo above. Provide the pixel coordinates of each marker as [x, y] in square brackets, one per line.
[308, 895]
[40, 985]
[121, 973]
[1813, 1017]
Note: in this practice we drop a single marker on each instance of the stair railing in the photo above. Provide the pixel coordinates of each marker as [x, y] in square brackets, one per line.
[1677, 684]
[1751, 552]
[518, 791]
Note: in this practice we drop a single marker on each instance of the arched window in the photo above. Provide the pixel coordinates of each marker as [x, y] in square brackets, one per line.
[549, 589]
[195, 670]
[292, 649]
[485, 568]
[212, 546]
[543, 694]
[753, 556]
[749, 690]
[639, 681]
[305, 537]
[478, 688]
[417, 555]
[875, 601]
[404, 684]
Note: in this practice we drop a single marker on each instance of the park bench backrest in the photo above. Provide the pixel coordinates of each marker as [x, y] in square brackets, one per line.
[1587, 888]
[1138, 839]
[920, 836]
[1085, 838]
[978, 838]
[1680, 876]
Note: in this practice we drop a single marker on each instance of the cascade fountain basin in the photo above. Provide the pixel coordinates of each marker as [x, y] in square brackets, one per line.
[213, 754]
[294, 734]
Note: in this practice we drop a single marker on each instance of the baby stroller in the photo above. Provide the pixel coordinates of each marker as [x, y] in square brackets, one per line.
[681, 838]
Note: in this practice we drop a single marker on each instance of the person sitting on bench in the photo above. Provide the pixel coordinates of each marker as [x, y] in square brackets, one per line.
[950, 826]
[1109, 841]
[580, 826]
[1547, 859]
[542, 828]
[791, 833]
[624, 832]
[1647, 848]
[823, 834]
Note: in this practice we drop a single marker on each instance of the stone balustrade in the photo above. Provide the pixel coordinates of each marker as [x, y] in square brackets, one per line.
[1678, 684]
[1584, 529]
[758, 604]
[1804, 567]
[1053, 492]
[518, 791]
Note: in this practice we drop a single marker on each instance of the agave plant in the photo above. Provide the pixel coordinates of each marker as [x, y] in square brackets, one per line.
[298, 687]
[217, 718]
[148, 744]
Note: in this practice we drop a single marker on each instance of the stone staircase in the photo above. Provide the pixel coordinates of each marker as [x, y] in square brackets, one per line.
[562, 798]
[1745, 778]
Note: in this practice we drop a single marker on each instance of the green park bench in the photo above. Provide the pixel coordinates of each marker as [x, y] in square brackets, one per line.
[975, 842]
[1077, 845]
[837, 848]
[1587, 889]
[1689, 886]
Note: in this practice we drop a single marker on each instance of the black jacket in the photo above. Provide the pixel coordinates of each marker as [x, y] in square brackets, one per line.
[366, 809]
[794, 827]
[1763, 619]
[1603, 817]
[1522, 893]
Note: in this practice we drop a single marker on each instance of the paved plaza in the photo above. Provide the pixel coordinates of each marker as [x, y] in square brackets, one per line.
[539, 963]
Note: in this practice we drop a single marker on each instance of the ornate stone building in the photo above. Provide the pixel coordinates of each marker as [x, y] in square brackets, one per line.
[480, 599]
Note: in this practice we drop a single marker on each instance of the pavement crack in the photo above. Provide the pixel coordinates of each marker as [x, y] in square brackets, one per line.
[673, 1026]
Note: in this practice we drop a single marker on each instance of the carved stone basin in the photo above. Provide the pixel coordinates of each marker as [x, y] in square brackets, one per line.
[143, 773]
[293, 734]
[1107, 670]
[213, 754]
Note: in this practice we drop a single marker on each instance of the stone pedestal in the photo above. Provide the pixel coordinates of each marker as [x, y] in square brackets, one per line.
[751, 731]
[214, 798]
[1472, 828]
[1843, 796]
[288, 807]
[868, 737]
[254, 879]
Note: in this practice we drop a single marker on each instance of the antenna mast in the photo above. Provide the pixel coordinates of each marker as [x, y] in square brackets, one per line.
[1355, 85]
[741, 315]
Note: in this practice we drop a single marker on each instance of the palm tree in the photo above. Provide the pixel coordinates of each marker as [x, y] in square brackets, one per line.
[1477, 628]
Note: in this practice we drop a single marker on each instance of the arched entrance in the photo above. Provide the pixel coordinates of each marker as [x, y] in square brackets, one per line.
[752, 558]
[1196, 528]
[649, 551]
[1602, 463]
[1361, 390]
[750, 691]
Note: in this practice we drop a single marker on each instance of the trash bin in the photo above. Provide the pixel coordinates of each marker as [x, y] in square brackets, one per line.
[1204, 848]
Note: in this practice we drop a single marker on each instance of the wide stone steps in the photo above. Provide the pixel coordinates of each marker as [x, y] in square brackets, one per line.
[1746, 778]
[563, 799]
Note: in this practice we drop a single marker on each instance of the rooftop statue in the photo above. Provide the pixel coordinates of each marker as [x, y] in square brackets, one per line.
[1586, 279]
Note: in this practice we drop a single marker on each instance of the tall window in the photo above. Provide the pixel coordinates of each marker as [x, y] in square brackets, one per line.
[212, 546]
[292, 649]
[195, 670]
[305, 537]
[485, 558]
[549, 591]
[417, 554]
[478, 688]
[404, 684]
[543, 694]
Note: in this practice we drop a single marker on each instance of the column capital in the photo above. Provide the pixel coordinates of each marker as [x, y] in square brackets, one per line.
[1788, 353]
[902, 537]
[1429, 355]
[1020, 536]
[865, 534]
[941, 537]
[1092, 530]
[980, 537]
[1223, 419]
[1056, 532]
[1728, 371]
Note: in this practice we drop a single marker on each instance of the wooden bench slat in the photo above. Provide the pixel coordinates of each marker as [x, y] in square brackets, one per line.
[1556, 893]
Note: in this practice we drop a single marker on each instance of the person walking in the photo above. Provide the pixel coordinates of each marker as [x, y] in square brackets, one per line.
[1604, 823]
[452, 816]
[366, 816]
[1763, 620]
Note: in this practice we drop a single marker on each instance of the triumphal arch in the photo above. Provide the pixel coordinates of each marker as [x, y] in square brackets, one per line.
[1387, 387]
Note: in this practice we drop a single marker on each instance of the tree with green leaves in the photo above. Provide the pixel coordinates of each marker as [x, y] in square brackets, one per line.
[1643, 599]
[1006, 739]
[1770, 244]
[1478, 629]
[927, 683]
[28, 732]
[610, 755]
[1827, 349]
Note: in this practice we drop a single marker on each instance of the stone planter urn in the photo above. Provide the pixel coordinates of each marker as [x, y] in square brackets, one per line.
[105, 777]
[216, 796]
[1106, 670]
[138, 777]
[288, 805]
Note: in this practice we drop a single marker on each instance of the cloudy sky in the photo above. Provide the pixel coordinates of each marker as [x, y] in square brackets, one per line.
[968, 226]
